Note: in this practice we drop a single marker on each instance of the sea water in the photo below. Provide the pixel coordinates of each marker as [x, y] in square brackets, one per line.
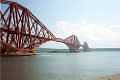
[61, 66]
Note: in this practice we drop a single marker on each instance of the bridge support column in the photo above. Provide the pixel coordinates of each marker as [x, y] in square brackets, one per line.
[73, 49]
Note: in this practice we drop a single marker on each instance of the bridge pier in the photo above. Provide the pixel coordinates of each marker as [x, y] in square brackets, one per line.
[73, 49]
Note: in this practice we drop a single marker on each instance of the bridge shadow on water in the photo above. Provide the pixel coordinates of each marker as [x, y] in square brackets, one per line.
[50, 50]
[47, 50]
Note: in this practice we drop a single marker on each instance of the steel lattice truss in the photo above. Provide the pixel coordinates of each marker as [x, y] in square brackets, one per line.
[21, 29]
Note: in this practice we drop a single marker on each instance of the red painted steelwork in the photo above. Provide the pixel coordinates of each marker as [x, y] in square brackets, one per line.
[22, 30]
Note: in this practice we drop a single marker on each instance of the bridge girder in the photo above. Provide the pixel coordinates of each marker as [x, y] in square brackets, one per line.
[21, 29]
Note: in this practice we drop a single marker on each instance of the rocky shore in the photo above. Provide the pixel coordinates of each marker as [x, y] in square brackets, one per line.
[111, 77]
[8, 50]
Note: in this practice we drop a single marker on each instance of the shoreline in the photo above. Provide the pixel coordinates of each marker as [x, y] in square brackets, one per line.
[110, 77]
[18, 54]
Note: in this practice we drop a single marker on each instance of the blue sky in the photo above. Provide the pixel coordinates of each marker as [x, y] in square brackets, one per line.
[94, 21]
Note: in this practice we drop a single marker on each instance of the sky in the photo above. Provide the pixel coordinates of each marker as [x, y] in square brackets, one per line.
[94, 21]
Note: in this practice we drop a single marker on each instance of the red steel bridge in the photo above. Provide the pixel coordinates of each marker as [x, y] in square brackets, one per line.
[20, 29]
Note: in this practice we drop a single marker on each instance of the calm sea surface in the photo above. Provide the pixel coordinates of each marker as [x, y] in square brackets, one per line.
[61, 66]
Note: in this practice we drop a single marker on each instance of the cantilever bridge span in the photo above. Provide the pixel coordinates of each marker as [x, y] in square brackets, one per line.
[20, 29]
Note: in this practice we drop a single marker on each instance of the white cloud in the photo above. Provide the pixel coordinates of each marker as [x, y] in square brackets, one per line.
[96, 35]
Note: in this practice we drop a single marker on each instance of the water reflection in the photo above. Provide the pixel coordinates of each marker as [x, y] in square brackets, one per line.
[75, 66]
